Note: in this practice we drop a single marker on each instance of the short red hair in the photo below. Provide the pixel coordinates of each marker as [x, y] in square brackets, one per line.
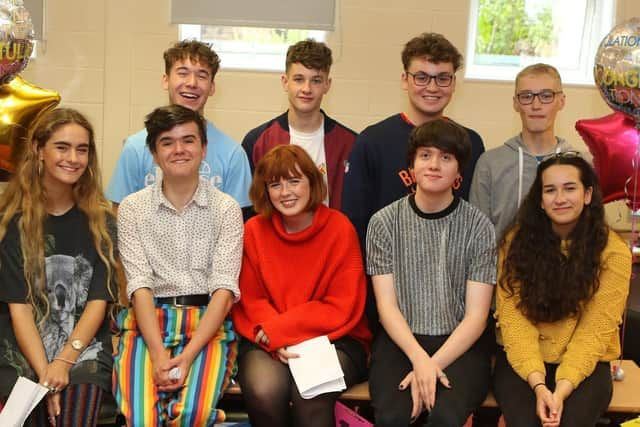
[285, 161]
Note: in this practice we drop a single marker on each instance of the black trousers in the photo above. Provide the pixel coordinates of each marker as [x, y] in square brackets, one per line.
[469, 377]
[582, 408]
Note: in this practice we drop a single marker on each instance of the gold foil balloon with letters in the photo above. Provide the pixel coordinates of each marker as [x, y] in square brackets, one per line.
[16, 39]
[21, 103]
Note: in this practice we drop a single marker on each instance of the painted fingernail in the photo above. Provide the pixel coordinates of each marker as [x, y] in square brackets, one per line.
[401, 387]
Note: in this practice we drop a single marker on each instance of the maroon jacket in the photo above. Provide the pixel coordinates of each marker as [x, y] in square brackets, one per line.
[338, 141]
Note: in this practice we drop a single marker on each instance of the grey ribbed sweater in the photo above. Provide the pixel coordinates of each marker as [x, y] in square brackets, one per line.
[431, 257]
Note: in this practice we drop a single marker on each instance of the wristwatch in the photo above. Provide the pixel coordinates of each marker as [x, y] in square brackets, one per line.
[77, 345]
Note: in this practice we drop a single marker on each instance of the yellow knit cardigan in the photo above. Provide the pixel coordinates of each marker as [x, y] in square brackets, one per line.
[576, 343]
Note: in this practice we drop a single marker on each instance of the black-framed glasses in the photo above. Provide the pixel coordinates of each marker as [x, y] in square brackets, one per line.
[423, 79]
[546, 96]
[562, 154]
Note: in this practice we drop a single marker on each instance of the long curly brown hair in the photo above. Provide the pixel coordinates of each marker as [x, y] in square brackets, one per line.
[553, 283]
[26, 196]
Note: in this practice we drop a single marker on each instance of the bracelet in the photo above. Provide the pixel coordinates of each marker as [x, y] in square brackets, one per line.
[62, 359]
[536, 386]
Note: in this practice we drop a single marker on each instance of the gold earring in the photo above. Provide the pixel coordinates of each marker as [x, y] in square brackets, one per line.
[40, 166]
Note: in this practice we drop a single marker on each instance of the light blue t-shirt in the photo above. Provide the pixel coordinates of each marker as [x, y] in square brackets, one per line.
[225, 166]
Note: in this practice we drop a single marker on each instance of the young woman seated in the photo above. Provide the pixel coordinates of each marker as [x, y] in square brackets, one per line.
[302, 277]
[563, 283]
[57, 271]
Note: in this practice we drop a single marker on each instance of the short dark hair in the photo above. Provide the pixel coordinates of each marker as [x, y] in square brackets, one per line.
[166, 118]
[444, 135]
[435, 47]
[310, 53]
[193, 50]
[284, 161]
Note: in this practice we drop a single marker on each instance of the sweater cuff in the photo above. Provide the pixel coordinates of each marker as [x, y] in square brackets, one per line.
[574, 376]
[526, 368]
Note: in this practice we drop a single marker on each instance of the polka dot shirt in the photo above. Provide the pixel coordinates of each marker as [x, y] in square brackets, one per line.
[194, 251]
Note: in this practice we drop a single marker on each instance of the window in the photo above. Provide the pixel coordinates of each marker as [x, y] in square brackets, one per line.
[507, 35]
[250, 48]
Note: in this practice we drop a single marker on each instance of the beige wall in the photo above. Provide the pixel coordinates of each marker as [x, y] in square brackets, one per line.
[105, 58]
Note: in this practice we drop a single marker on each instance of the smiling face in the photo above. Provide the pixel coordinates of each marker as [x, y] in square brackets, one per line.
[189, 84]
[435, 170]
[538, 118]
[290, 196]
[179, 152]
[64, 156]
[305, 88]
[427, 102]
[564, 197]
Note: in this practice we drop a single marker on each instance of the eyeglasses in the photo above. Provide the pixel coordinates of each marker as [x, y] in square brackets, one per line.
[546, 96]
[562, 155]
[423, 79]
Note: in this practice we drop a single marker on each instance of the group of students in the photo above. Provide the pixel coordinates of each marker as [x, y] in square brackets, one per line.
[235, 252]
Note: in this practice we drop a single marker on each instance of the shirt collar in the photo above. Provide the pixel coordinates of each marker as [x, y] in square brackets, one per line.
[200, 196]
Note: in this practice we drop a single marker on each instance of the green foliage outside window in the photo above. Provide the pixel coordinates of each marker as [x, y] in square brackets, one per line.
[506, 28]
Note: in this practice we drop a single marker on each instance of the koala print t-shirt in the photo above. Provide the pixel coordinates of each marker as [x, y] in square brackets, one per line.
[74, 274]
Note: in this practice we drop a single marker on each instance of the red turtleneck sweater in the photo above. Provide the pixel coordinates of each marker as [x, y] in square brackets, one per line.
[302, 285]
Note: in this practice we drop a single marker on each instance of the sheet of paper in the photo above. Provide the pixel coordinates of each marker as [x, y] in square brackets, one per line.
[24, 397]
[317, 370]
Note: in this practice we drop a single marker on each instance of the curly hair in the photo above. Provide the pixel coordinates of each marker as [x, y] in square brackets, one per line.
[434, 46]
[26, 196]
[310, 53]
[195, 51]
[554, 279]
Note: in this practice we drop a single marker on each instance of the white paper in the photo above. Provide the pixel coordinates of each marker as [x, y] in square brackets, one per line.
[24, 397]
[317, 370]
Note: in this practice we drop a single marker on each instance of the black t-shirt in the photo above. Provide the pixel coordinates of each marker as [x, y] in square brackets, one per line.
[75, 274]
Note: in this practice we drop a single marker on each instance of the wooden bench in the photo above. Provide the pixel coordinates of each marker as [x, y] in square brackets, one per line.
[625, 399]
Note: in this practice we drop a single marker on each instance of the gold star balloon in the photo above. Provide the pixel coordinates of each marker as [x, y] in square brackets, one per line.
[21, 103]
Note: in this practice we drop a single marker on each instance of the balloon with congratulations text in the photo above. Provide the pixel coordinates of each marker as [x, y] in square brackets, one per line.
[16, 39]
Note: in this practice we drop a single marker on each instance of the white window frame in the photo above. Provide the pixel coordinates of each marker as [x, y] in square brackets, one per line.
[246, 56]
[599, 20]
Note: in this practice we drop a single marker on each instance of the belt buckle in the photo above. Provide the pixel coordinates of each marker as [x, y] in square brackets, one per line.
[176, 304]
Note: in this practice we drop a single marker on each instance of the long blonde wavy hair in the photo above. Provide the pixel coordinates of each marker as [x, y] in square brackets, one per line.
[26, 196]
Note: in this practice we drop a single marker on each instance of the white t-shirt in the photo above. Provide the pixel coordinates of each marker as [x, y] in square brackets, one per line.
[313, 143]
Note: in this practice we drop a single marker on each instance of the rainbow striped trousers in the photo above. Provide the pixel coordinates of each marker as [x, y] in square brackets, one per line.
[194, 405]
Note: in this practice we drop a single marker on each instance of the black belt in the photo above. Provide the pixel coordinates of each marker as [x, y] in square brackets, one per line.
[192, 300]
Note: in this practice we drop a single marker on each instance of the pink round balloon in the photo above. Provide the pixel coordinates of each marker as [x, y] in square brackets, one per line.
[613, 141]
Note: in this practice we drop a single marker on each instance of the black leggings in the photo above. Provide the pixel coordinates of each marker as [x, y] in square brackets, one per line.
[270, 393]
[582, 408]
[469, 376]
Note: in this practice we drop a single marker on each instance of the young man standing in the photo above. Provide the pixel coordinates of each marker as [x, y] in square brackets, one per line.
[377, 172]
[306, 81]
[190, 69]
[181, 245]
[504, 175]
[432, 261]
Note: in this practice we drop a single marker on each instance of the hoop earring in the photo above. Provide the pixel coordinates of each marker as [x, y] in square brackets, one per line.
[457, 183]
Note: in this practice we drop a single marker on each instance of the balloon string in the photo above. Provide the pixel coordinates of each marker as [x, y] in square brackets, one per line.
[634, 164]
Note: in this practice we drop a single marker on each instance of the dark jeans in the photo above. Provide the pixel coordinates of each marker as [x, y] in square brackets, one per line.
[582, 408]
[469, 377]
